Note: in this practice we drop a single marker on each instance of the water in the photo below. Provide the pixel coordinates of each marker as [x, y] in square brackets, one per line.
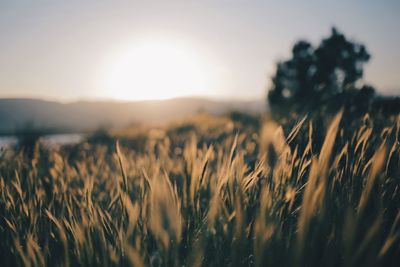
[7, 141]
[48, 140]
[62, 139]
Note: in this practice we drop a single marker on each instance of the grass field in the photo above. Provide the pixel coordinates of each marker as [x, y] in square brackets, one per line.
[208, 191]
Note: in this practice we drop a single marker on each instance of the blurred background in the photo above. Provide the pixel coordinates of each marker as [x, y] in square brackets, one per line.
[74, 66]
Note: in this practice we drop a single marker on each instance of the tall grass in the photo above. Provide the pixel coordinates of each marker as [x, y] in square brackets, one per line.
[219, 196]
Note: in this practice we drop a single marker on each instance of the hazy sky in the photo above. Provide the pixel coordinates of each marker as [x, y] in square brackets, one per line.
[69, 50]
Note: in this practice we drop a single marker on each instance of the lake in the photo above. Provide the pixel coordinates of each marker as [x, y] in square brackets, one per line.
[48, 140]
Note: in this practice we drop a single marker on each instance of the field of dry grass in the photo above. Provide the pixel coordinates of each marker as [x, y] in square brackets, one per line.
[208, 192]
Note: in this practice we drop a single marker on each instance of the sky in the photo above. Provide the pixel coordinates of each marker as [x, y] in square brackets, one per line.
[224, 49]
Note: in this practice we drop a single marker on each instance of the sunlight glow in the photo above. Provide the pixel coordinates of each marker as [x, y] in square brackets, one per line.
[158, 70]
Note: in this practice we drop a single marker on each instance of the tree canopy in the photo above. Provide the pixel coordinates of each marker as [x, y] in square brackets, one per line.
[315, 77]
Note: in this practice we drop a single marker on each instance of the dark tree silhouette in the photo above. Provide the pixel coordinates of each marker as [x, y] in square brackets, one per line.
[325, 77]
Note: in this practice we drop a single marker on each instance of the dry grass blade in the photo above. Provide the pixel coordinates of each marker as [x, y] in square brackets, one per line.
[121, 165]
[326, 150]
[295, 130]
[377, 165]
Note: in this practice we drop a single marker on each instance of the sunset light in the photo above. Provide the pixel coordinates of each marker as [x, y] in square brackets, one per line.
[157, 70]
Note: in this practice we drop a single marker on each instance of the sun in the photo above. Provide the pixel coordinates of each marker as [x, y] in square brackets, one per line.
[154, 70]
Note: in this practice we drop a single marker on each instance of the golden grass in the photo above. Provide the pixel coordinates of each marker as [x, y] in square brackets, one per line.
[206, 192]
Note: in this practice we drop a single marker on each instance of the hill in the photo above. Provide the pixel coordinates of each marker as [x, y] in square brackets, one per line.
[84, 115]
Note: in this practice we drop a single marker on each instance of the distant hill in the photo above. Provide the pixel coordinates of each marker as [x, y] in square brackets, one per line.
[80, 116]
[393, 92]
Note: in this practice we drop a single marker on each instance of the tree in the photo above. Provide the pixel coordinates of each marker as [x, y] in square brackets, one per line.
[321, 77]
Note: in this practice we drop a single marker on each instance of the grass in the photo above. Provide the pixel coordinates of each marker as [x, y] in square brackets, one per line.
[208, 192]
